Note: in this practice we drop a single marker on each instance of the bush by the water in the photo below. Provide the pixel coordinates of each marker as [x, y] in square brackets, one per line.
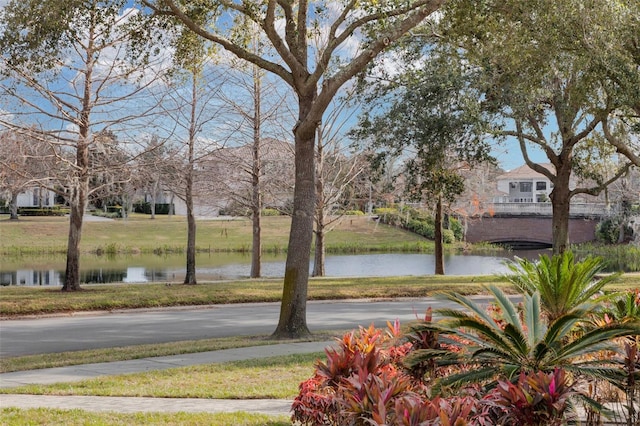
[420, 223]
[608, 231]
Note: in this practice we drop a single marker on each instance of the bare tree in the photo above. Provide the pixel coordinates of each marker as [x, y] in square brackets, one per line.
[195, 110]
[24, 163]
[336, 172]
[71, 72]
[287, 26]
[262, 112]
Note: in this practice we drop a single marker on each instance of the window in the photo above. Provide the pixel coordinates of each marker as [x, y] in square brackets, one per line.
[526, 186]
[541, 186]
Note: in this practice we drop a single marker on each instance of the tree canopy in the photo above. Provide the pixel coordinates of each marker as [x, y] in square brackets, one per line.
[562, 76]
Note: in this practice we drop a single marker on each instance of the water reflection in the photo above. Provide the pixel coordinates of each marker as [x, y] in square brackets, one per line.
[231, 266]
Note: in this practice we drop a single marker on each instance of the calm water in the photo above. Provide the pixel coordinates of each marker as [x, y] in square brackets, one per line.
[219, 266]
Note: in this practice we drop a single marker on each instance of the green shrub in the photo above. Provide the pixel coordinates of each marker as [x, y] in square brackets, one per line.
[456, 226]
[110, 215]
[421, 227]
[608, 231]
[448, 237]
[354, 213]
[420, 223]
[161, 208]
[43, 211]
[271, 212]
[385, 210]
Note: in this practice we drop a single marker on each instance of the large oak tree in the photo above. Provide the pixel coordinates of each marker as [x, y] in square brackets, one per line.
[564, 77]
[354, 34]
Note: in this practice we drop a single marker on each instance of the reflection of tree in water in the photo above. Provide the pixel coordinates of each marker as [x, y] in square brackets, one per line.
[102, 276]
[155, 275]
[8, 278]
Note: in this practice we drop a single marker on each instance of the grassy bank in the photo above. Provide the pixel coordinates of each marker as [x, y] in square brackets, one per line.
[16, 300]
[139, 234]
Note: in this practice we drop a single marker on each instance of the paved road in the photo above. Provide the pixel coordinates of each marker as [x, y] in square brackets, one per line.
[134, 327]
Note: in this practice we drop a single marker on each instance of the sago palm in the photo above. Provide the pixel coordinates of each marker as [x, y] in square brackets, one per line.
[563, 283]
[501, 349]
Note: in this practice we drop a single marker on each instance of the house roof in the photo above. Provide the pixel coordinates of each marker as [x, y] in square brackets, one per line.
[525, 172]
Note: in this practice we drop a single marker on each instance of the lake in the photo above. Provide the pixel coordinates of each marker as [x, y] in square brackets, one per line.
[222, 266]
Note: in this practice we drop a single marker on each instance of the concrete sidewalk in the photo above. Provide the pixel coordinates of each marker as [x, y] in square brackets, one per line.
[131, 404]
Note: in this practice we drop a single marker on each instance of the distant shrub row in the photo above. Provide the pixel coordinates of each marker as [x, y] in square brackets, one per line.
[43, 211]
[420, 223]
[161, 208]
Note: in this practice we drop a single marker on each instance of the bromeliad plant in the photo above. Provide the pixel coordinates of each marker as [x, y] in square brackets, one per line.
[539, 399]
[363, 382]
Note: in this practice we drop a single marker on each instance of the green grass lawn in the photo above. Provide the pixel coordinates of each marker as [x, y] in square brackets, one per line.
[45, 416]
[31, 300]
[39, 235]
[269, 378]
[62, 359]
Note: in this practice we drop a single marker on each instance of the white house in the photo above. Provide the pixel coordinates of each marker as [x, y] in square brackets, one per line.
[36, 197]
[523, 185]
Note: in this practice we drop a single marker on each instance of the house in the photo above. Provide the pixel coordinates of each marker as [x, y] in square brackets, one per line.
[224, 178]
[525, 191]
[523, 185]
[36, 197]
[223, 181]
[33, 197]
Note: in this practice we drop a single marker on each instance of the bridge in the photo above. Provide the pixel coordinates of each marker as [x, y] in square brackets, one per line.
[520, 225]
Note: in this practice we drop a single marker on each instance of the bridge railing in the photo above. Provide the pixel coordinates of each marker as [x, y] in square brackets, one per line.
[545, 209]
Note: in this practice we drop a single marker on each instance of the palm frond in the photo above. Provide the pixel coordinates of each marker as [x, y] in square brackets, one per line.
[478, 310]
[536, 328]
[472, 376]
[508, 309]
[595, 339]
[440, 356]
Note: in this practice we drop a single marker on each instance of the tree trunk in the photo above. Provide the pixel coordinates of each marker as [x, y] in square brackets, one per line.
[78, 202]
[319, 255]
[256, 195]
[320, 252]
[154, 189]
[439, 255]
[13, 207]
[293, 309]
[256, 244]
[190, 277]
[560, 203]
